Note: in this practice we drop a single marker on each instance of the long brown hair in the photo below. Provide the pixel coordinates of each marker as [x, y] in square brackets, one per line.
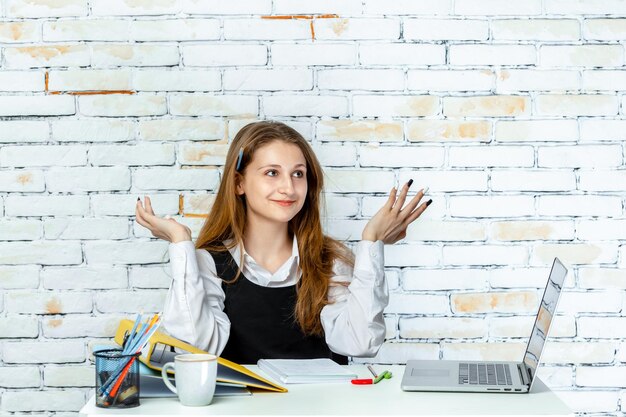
[317, 252]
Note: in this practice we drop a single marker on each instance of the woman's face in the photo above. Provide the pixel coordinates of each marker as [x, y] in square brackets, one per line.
[274, 182]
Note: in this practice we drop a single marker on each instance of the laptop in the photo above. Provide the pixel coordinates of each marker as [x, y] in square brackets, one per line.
[489, 376]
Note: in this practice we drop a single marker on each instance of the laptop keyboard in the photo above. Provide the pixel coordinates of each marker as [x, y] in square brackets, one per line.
[484, 374]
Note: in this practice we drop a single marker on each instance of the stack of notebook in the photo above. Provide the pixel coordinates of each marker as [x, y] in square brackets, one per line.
[152, 386]
[305, 371]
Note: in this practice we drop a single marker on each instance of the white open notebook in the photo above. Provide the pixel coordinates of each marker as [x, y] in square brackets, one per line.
[305, 371]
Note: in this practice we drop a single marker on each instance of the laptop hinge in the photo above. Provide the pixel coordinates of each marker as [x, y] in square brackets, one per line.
[522, 374]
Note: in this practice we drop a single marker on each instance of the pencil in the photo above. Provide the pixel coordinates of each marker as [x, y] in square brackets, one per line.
[134, 345]
[372, 371]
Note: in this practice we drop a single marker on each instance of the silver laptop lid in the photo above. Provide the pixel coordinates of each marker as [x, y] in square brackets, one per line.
[544, 318]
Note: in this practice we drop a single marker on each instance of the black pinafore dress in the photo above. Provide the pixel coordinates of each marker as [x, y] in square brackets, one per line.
[262, 324]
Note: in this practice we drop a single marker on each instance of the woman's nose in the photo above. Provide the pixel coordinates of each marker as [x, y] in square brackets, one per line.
[286, 185]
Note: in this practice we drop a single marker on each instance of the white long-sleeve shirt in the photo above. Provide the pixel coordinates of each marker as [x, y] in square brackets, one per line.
[353, 323]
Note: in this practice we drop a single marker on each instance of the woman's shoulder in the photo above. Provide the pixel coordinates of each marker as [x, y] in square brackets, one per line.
[217, 254]
[213, 248]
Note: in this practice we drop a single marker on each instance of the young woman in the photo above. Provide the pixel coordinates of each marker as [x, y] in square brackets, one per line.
[262, 280]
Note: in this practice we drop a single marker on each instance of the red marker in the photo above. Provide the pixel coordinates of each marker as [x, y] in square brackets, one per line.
[365, 381]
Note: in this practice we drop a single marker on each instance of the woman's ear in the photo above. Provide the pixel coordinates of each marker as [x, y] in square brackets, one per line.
[239, 185]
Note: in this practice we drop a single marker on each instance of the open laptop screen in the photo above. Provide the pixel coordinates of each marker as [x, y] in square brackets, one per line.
[547, 309]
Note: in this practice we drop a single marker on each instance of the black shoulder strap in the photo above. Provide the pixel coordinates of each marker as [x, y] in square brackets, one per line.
[225, 266]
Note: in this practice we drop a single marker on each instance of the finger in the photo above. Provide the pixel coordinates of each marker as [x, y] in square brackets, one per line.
[140, 209]
[417, 212]
[149, 206]
[139, 217]
[402, 197]
[413, 203]
[147, 218]
[391, 199]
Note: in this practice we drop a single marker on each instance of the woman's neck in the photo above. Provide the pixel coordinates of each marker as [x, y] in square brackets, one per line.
[270, 244]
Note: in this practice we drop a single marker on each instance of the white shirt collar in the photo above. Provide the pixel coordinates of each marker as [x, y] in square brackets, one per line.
[286, 274]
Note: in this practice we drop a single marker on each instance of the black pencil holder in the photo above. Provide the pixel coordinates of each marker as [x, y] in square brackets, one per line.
[117, 379]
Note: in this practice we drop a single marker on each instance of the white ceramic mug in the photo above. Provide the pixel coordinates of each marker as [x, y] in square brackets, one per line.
[195, 375]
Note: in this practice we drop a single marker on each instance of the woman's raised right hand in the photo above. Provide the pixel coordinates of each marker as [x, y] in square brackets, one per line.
[163, 228]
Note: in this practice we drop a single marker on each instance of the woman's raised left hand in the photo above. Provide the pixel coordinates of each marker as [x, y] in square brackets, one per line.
[390, 222]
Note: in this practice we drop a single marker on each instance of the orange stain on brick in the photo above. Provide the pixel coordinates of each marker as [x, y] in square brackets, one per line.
[54, 306]
[523, 231]
[422, 105]
[486, 106]
[196, 216]
[365, 130]
[196, 154]
[120, 51]
[504, 74]
[25, 178]
[310, 17]
[487, 302]
[510, 105]
[16, 31]
[433, 130]
[200, 205]
[197, 209]
[467, 303]
[473, 129]
[340, 26]
[55, 322]
[12, 30]
[45, 52]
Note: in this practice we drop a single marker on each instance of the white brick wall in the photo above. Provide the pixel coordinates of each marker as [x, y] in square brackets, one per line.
[513, 113]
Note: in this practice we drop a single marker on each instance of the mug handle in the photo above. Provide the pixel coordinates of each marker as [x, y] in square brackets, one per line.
[166, 380]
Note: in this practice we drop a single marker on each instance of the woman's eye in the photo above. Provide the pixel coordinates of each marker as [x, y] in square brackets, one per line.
[299, 174]
[271, 173]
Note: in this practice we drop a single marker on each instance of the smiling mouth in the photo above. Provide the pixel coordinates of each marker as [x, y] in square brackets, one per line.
[284, 203]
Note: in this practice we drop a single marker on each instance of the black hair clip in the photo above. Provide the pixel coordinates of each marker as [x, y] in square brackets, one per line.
[239, 159]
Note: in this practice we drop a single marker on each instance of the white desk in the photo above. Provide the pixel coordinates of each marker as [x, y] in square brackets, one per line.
[384, 398]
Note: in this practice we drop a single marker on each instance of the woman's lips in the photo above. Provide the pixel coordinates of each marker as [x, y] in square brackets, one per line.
[284, 203]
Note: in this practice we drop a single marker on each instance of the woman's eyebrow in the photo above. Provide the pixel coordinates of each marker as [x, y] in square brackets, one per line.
[279, 166]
